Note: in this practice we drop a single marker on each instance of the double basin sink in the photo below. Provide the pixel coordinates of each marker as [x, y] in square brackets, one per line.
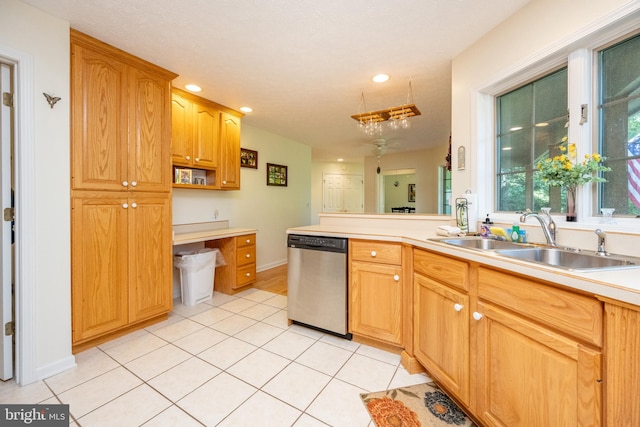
[565, 258]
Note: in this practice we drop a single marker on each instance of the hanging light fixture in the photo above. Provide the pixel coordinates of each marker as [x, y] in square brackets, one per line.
[370, 123]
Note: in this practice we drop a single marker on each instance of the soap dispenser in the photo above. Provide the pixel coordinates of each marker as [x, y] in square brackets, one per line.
[515, 232]
[485, 228]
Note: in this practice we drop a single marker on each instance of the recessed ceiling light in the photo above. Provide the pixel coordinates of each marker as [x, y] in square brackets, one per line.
[193, 88]
[246, 109]
[380, 78]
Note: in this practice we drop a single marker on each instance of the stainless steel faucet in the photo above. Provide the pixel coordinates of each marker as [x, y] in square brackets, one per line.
[546, 222]
[601, 241]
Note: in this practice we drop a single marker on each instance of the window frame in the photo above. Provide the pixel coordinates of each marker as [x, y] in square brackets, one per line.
[580, 57]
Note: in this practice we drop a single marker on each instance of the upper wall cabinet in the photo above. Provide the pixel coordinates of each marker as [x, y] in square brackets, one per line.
[205, 137]
[123, 105]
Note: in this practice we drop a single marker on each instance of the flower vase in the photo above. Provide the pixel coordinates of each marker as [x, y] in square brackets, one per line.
[571, 205]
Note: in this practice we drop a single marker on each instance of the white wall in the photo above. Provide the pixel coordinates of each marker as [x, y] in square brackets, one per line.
[269, 209]
[425, 162]
[45, 40]
[541, 29]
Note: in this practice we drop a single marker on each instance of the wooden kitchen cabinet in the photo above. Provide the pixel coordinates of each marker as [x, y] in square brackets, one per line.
[121, 251]
[441, 320]
[239, 272]
[195, 131]
[206, 136]
[376, 290]
[622, 355]
[229, 151]
[120, 115]
[120, 191]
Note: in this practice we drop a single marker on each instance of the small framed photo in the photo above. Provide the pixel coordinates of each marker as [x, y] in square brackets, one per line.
[248, 158]
[199, 177]
[412, 192]
[276, 175]
[183, 176]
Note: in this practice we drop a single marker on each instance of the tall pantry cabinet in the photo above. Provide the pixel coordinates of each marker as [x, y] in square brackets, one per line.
[121, 179]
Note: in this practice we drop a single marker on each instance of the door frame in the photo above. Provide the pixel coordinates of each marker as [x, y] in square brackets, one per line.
[25, 368]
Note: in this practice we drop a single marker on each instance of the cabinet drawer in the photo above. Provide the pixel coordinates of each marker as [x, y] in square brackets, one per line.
[246, 240]
[245, 275]
[441, 268]
[577, 315]
[246, 255]
[379, 252]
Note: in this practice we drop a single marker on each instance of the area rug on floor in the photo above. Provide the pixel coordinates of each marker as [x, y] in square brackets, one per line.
[422, 405]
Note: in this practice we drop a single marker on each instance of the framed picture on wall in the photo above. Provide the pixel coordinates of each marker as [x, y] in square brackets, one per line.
[276, 175]
[412, 192]
[248, 158]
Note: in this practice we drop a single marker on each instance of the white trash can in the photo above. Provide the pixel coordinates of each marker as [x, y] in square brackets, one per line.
[197, 276]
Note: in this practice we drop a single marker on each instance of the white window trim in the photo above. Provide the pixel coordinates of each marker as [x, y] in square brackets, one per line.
[578, 51]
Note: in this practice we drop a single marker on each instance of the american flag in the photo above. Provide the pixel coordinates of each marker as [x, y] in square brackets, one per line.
[633, 168]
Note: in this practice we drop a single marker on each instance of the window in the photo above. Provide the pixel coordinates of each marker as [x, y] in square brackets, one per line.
[531, 126]
[619, 125]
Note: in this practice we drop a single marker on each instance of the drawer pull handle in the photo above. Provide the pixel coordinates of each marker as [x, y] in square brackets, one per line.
[396, 278]
[248, 274]
[373, 254]
[477, 315]
[125, 183]
[248, 255]
[457, 307]
[248, 240]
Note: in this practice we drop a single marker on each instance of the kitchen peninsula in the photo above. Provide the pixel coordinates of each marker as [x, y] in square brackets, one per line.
[509, 340]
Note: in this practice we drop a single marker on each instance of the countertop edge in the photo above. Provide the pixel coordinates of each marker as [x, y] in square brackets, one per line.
[616, 285]
[202, 236]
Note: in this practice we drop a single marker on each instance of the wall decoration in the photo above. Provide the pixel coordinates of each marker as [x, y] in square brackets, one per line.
[461, 158]
[248, 158]
[276, 175]
[183, 176]
[198, 177]
[412, 192]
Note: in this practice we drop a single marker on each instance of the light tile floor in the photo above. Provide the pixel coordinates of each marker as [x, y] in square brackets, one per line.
[232, 361]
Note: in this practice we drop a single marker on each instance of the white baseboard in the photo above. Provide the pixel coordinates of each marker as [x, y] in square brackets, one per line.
[270, 265]
[56, 367]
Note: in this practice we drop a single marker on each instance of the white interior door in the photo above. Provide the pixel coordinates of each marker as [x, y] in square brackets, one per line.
[6, 303]
[332, 193]
[353, 193]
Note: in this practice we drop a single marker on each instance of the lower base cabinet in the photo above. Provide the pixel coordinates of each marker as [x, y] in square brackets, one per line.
[121, 262]
[512, 351]
[239, 271]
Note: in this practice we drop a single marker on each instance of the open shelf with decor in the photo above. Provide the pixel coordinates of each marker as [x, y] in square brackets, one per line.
[202, 179]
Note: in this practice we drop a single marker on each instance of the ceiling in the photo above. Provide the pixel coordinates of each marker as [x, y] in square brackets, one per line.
[302, 65]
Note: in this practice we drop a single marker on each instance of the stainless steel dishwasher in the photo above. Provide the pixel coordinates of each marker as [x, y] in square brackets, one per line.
[317, 283]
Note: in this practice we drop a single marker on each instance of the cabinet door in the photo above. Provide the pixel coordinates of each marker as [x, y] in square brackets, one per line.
[149, 132]
[206, 134]
[99, 265]
[150, 259]
[229, 152]
[375, 298]
[441, 335]
[181, 130]
[99, 113]
[531, 376]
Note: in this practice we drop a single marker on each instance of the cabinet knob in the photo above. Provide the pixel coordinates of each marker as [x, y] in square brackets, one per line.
[134, 183]
[373, 253]
[187, 157]
[248, 240]
[457, 307]
[124, 205]
[396, 278]
[224, 182]
[197, 159]
[125, 183]
[248, 255]
[477, 315]
[248, 274]
[134, 205]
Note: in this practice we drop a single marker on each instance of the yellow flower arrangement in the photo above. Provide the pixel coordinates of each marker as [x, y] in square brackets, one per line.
[564, 171]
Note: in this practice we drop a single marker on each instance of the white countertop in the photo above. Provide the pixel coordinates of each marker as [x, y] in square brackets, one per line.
[201, 232]
[619, 284]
